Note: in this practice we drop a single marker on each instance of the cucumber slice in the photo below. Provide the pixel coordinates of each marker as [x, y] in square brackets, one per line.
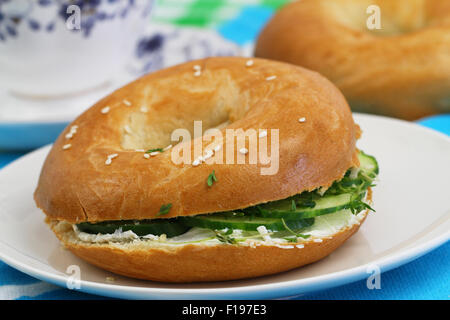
[368, 164]
[171, 228]
[249, 223]
[324, 205]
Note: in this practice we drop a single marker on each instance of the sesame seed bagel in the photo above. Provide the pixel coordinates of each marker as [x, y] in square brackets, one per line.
[98, 170]
[400, 70]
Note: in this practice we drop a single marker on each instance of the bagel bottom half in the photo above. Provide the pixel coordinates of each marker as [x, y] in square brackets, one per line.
[201, 262]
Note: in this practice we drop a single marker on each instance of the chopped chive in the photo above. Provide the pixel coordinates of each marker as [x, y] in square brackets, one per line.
[211, 178]
[293, 205]
[155, 150]
[165, 208]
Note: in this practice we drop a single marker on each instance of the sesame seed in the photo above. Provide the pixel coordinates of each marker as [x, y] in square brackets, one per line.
[112, 156]
[128, 129]
[110, 279]
[128, 103]
[318, 240]
[208, 155]
[271, 78]
[72, 131]
[167, 148]
[197, 67]
[249, 63]
[66, 146]
[196, 162]
[197, 73]
[108, 161]
[300, 246]
[146, 156]
[302, 119]
[154, 153]
[105, 110]
[243, 150]
[144, 109]
[262, 134]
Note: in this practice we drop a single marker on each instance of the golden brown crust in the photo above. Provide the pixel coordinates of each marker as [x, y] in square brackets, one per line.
[199, 263]
[76, 185]
[402, 71]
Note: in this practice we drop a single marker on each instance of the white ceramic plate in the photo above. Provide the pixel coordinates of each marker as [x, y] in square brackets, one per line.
[412, 218]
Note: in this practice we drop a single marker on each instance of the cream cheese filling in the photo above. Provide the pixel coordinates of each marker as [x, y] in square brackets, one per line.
[324, 227]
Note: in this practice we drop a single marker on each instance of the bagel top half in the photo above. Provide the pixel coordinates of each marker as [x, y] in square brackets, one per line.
[78, 183]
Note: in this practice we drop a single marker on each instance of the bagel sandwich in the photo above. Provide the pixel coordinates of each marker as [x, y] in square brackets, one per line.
[114, 196]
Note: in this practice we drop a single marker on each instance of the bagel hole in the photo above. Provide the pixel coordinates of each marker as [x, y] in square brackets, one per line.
[153, 136]
[216, 101]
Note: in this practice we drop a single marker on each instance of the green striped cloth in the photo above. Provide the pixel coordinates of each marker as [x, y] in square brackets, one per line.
[204, 13]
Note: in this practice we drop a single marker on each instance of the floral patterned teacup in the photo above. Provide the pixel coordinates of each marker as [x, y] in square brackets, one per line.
[58, 47]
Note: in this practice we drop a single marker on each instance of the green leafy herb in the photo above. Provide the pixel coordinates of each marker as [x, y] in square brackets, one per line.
[358, 205]
[293, 205]
[228, 232]
[211, 178]
[352, 185]
[305, 200]
[225, 236]
[296, 234]
[294, 238]
[155, 150]
[308, 204]
[165, 208]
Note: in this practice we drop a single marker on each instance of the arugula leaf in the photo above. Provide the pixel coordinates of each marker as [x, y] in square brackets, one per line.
[304, 236]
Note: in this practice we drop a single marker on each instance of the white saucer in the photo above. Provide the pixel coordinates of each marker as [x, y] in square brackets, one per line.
[412, 217]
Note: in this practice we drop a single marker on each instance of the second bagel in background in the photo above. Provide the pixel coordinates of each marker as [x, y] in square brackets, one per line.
[400, 68]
